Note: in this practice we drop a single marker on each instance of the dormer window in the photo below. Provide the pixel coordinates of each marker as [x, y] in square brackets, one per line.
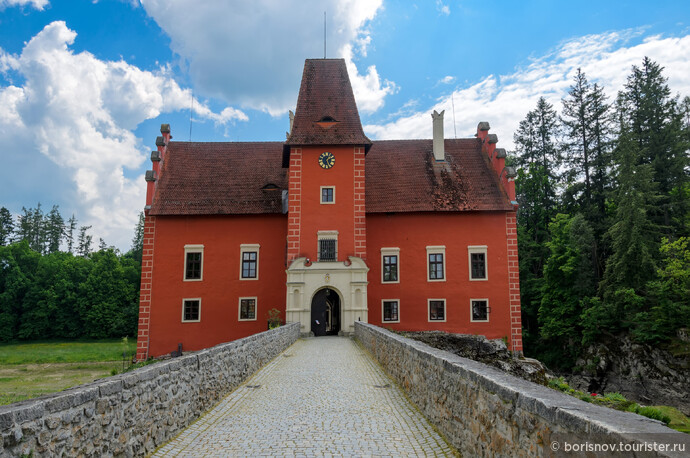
[327, 122]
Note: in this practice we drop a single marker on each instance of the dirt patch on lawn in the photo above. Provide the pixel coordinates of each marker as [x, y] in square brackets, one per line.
[25, 381]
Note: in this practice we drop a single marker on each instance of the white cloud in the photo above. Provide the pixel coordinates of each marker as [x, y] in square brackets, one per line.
[79, 112]
[504, 100]
[251, 53]
[442, 7]
[38, 4]
[447, 80]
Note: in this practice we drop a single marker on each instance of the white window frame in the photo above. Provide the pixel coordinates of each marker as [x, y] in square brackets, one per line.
[436, 249]
[428, 310]
[321, 195]
[191, 299]
[326, 235]
[246, 248]
[239, 309]
[193, 249]
[392, 251]
[383, 321]
[478, 249]
[488, 310]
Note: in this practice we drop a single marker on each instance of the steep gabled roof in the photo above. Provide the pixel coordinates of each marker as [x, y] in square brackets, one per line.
[211, 178]
[326, 112]
[401, 176]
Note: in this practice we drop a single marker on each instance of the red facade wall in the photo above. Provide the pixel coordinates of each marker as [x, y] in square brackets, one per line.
[412, 233]
[221, 286]
[306, 179]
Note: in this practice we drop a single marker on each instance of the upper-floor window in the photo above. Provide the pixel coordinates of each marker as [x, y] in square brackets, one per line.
[191, 310]
[436, 263]
[327, 194]
[328, 245]
[193, 262]
[249, 256]
[390, 265]
[477, 263]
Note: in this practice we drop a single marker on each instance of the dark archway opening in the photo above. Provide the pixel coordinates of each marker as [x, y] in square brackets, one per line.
[325, 313]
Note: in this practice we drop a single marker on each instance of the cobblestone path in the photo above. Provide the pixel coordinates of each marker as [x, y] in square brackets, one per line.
[321, 397]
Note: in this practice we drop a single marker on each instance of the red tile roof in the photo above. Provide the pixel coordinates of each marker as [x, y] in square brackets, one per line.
[401, 176]
[209, 178]
[325, 95]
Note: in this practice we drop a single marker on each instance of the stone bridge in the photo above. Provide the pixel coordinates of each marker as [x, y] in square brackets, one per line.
[274, 394]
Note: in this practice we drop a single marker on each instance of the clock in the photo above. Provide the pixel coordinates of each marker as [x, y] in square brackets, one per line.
[326, 160]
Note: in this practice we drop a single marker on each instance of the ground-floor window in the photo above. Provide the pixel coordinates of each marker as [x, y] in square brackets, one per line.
[391, 311]
[191, 310]
[437, 310]
[480, 309]
[247, 308]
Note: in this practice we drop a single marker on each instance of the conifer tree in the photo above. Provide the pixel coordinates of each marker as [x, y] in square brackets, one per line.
[655, 124]
[69, 233]
[6, 227]
[634, 235]
[538, 159]
[138, 239]
[586, 123]
[84, 242]
[54, 230]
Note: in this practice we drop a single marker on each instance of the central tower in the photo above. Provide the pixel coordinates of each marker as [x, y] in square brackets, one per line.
[326, 242]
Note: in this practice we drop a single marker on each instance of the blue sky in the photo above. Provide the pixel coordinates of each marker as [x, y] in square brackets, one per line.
[85, 85]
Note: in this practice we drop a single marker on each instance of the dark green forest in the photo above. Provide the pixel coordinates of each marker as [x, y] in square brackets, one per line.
[81, 292]
[604, 217]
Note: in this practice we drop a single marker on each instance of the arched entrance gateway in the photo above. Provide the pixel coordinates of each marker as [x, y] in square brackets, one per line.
[325, 313]
[332, 293]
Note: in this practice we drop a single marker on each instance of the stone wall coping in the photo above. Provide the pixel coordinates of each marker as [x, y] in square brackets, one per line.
[556, 407]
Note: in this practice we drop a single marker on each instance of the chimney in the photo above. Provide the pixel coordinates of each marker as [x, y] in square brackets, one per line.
[292, 119]
[439, 152]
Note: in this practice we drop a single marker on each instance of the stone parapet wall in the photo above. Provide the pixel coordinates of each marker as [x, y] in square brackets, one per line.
[483, 411]
[133, 413]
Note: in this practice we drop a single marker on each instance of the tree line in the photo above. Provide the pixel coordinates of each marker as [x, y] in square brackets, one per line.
[604, 219]
[54, 284]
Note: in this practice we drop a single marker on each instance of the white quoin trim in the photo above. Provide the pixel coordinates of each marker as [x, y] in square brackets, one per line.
[439, 152]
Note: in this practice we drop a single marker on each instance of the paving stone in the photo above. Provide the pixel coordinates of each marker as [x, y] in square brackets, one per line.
[328, 399]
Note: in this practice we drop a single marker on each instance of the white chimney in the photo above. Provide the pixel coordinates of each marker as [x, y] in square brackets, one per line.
[439, 152]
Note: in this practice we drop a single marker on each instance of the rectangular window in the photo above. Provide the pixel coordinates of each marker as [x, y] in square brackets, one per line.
[249, 264]
[191, 310]
[436, 266]
[390, 268]
[480, 309]
[247, 309]
[193, 262]
[249, 261]
[328, 250]
[327, 194]
[477, 260]
[390, 265]
[436, 263]
[437, 310]
[390, 311]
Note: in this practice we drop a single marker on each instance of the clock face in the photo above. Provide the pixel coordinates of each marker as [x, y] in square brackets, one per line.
[327, 160]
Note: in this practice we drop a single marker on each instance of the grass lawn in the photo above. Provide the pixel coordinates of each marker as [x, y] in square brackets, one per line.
[31, 369]
[679, 421]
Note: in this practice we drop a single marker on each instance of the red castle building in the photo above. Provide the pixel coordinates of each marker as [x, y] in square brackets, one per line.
[329, 228]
